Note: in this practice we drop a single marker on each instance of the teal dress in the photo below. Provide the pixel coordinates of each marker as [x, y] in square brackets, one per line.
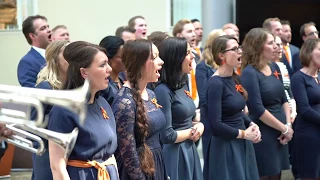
[181, 159]
[267, 93]
[227, 157]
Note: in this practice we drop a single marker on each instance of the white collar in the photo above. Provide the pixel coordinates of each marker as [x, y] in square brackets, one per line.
[41, 51]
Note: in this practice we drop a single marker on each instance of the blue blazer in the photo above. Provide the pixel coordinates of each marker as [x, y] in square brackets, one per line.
[296, 63]
[203, 74]
[29, 67]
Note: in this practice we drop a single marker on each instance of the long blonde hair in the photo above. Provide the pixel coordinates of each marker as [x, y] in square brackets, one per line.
[50, 72]
[207, 54]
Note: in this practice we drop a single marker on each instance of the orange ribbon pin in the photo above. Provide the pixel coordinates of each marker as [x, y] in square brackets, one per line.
[104, 113]
[276, 74]
[239, 88]
[188, 93]
[154, 101]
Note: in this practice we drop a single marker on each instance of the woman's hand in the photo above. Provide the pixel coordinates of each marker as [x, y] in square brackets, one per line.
[251, 133]
[4, 131]
[256, 128]
[283, 139]
[197, 131]
[288, 132]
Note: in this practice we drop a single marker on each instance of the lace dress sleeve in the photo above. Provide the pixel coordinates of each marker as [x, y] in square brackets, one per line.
[124, 112]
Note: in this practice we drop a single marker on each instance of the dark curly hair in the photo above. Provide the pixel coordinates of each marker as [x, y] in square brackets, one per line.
[134, 56]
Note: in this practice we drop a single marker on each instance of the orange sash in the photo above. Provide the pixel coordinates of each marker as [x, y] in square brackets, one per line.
[102, 172]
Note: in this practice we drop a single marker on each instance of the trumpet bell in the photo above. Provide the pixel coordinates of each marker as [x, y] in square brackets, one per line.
[71, 142]
[65, 140]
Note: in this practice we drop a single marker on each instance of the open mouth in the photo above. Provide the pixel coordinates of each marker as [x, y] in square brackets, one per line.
[107, 80]
[49, 37]
[144, 33]
[157, 72]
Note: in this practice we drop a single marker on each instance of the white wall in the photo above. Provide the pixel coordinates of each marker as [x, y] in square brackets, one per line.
[86, 20]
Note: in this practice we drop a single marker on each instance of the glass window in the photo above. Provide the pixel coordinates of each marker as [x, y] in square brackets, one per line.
[13, 12]
[185, 9]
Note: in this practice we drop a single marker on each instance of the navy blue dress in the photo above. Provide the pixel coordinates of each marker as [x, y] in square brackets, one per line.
[306, 92]
[41, 164]
[267, 93]
[181, 159]
[124, 108]
[111, 91]
[203, 73]
[228, 158]
[97, 139]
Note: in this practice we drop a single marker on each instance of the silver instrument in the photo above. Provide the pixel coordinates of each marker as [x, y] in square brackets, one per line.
[26, 130]
[14, 116]
[73, 100]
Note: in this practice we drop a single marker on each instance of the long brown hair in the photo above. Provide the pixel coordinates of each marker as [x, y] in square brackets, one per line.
[219, 45]
[306, 51]
[134, 56]
[252, 50]
[79, 54]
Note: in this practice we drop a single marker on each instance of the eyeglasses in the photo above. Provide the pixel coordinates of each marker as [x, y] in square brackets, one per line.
[235, 49]
[312, 33]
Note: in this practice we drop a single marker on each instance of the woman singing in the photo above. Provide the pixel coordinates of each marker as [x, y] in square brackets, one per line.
[92, 157]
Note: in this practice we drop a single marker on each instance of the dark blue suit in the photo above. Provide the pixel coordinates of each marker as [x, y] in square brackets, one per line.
[29, 67]
[203, 73]
[296, 63]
